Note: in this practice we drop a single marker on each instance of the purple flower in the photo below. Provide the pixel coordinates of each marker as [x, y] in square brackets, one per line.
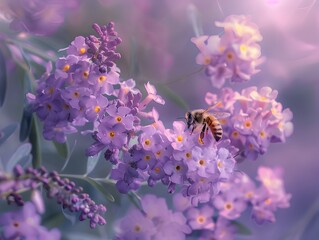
[25, 224]
[136, 226]
[62, 189]
[112, 135]
[233, 55]
[157, 222]
[230, 204]
[102, 49]
[201, 218]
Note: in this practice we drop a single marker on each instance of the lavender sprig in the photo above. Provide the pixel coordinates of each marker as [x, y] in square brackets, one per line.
[102, 50]
[63, 190]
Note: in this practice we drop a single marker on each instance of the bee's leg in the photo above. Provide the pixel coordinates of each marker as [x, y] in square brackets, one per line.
[202, 134]
[193, 128]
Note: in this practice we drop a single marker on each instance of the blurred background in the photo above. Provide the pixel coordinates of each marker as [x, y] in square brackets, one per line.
[157, 48]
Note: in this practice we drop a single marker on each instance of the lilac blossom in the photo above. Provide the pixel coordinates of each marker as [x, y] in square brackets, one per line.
[234, 55]
[155, 222]
[256, 121]
[77, 91]
[25, 224]
[63, 190]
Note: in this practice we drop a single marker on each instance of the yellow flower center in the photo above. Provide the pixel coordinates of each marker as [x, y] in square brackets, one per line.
[268, 201]
[76, 94]
[147, 157]
[118, 119]
[97, 109]
[178, 168]
[230, 56]
[147, 142]
[179, 138]
[201, 162]
[188, 155]
[228, 206]
[157, 169]
[207, 60]
[235, 134]
[249, 195]
[243, 48]
[219, 164]
[82, 50]
[201, 219]
[262, 134]
[248, 124]
[66, 68]
[158, 153]
[102, 79]
[49, 106]
[85, 74]
[112, 134]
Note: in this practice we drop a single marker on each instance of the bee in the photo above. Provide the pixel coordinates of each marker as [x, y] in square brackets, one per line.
[202, 118]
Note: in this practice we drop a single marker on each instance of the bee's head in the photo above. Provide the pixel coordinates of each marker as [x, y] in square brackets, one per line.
[189, 119]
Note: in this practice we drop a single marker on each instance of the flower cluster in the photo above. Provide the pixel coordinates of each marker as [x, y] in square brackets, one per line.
[155, 221]
[257, 119]
[79, 89]
[62, 189]
[25, 224]
[239, 193]
[234, 55]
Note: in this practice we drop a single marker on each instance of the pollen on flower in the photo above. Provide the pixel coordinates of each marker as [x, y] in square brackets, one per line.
[230, 56]
[66, 106]
[235, 134]
[102, 79]
[82, 50]
[223, 121]
[201, 162]
[228, 206]
[247, 124]
[147, 157]
[66, 68]
[179, 138]
[243, 48]
[157, 169]
[268, 201]
[85, 74]
[251, 146]
[112, 134]
[178, 168]
[219, 164]
[188, 155]
[249, 194]
[76, 94]
[207, 60]
[262, 134]
[97, 109]
[158, 153]
[147, 142]
[201, 219]
[118, 119]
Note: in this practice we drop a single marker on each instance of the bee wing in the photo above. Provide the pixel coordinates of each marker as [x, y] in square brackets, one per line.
[220, 115]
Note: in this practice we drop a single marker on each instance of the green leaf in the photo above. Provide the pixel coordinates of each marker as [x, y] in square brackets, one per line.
[100, 187]
[53, 220]
[62, 149]
[34, 138]
[171, 95]
[241, 228]
[25, 124]
[6, 132]
[69, 156]
[91, 163]
[20, 155]
[3, 79]
[110, 187]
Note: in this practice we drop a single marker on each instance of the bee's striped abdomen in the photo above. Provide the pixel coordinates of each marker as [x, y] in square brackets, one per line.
[214, 127]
